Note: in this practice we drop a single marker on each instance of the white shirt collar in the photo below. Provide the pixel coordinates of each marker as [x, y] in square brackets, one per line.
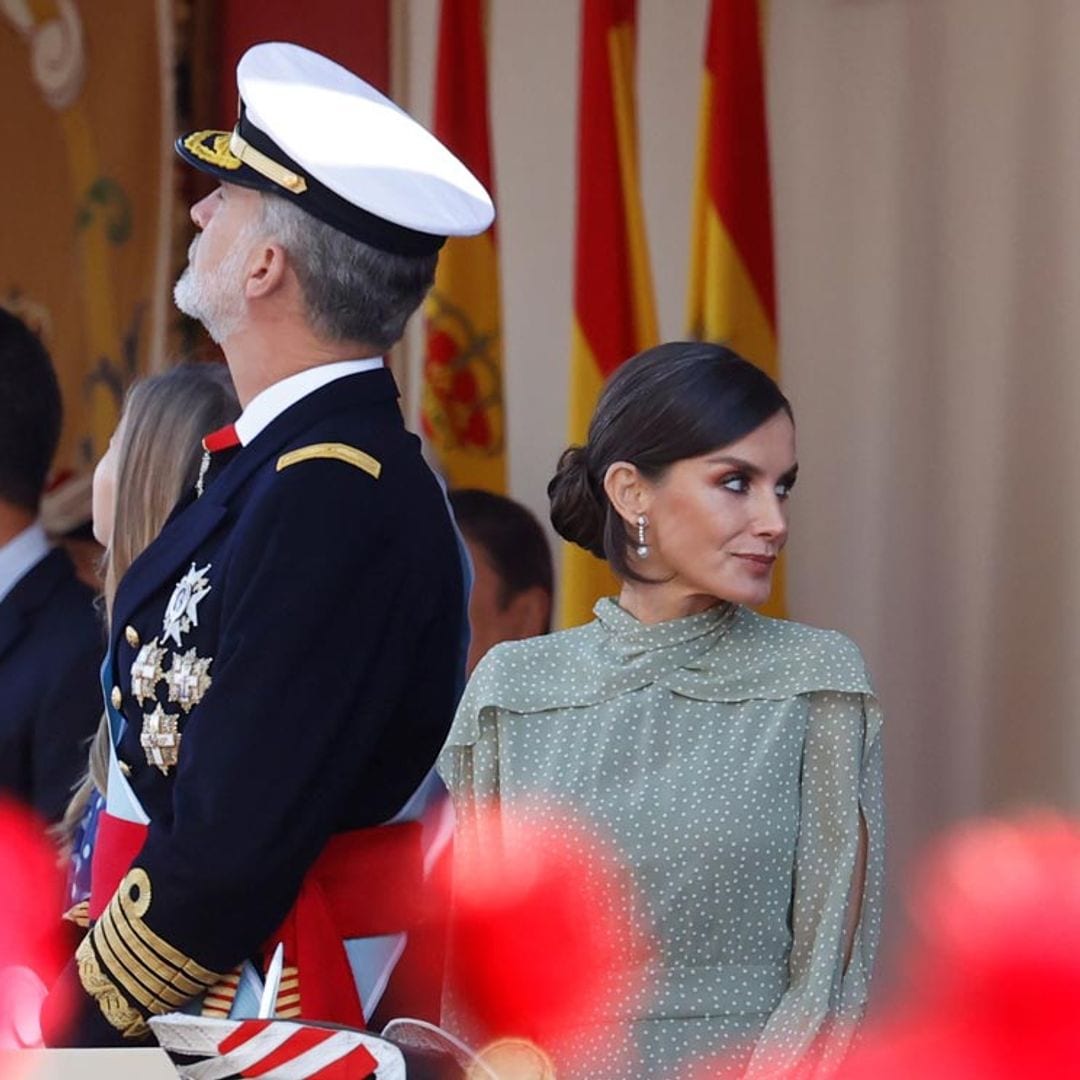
[20, 555]
[269, 404]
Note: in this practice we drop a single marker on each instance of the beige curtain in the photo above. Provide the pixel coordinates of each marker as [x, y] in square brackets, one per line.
[927, 171]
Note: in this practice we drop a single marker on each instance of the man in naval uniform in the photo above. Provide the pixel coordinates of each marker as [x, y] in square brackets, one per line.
[285, 658]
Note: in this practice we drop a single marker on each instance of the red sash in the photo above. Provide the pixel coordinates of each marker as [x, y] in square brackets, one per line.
[366, 883]
[115, 846]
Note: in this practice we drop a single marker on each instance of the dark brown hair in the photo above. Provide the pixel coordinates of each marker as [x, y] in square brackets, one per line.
[30, 413]
[667, 404]
[512, 538]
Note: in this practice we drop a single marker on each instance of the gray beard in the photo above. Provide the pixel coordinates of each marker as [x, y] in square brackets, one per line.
[209, 300]
[215, 297]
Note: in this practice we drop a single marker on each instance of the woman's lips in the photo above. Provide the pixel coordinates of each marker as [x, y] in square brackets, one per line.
[758, 564]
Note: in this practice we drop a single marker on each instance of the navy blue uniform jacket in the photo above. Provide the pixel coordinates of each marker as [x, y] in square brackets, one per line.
[51, 645]
[333, 630]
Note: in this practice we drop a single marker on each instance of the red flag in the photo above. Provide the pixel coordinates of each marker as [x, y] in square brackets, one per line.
[732, 289]
[614, 311]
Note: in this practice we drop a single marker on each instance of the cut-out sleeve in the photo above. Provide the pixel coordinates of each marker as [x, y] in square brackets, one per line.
[841, 781]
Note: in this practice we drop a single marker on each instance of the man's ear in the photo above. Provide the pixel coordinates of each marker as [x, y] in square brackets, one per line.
[627, 490]
[266, 271]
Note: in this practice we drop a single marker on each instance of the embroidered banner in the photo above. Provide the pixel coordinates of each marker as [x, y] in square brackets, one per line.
[86, 128]
[462, 407]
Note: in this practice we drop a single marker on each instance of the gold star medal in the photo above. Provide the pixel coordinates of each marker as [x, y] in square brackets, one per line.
[182, 612]
[188, 679]
[160, 739]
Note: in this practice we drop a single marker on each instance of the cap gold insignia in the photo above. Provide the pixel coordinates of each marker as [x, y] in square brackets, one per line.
[188, 679]
[146, 671]
[213, 148]
[160, 739]
[182, 612]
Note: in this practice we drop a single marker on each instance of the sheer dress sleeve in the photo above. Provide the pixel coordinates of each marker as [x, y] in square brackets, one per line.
[841, 782]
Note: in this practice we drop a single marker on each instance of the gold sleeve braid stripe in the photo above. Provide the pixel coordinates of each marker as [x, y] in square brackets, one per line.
[287, 1005]
[140, 982]
[134, 897]
[132, 960]
[220, 997]
[335, 451]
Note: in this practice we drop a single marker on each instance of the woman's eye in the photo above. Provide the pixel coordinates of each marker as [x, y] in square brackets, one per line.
[784, 489]
[737, 483]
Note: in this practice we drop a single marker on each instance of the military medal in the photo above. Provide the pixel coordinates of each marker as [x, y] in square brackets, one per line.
[182, 612]
[188, 679]
[160, 739]
[146, 671]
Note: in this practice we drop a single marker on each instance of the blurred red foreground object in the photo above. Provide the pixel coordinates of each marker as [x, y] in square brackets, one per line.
[543, 943]
[32, 938]
[997, 964]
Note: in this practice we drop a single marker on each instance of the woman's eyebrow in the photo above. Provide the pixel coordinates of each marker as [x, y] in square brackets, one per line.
[749, 467]
[735, 463]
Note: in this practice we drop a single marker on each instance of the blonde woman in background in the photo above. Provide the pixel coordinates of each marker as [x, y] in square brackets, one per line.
[152, 462]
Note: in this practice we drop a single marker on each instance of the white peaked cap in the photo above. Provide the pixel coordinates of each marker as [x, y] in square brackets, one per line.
[317, 134]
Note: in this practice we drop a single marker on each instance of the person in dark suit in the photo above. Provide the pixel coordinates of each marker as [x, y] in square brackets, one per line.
[285, 658]
[51, 641]
[513, 580]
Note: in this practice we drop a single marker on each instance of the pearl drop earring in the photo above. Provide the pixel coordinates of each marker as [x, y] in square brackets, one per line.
[642, 547]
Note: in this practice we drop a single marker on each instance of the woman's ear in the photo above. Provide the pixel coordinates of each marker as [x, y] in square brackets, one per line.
[627, 490]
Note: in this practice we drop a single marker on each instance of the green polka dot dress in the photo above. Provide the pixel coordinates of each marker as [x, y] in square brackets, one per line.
[728, 759]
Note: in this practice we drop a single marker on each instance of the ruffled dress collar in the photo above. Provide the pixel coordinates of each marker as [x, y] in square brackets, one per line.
[727, 653]
[664, 645]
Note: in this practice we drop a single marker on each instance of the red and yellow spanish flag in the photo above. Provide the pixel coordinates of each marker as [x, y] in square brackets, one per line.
[732, 287]
[614, 311]
[462, 406]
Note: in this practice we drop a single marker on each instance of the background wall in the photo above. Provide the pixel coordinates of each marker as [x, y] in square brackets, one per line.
[926, 167]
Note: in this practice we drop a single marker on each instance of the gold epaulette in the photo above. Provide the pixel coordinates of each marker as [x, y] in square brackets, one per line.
[335, 451]
[129, 970]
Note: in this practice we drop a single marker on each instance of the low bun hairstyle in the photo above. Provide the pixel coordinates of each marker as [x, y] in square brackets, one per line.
[672, 402]
[577, 504]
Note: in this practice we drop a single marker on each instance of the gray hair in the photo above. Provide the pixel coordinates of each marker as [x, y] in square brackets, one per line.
[352, 291]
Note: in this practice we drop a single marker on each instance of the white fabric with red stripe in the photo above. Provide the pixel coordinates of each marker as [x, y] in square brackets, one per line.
[275, 1050]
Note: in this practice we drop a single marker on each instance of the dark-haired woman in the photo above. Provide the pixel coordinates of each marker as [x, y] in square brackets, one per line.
[733, 760]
